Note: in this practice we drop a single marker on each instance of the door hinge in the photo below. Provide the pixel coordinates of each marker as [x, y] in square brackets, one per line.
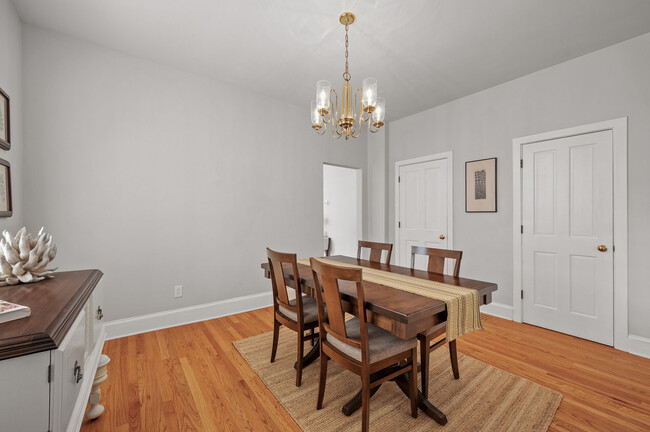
[522, 229]
[613, 248]
[50, 373]
[399, 224]
[522, 294]
[399, 179]
[521, 163]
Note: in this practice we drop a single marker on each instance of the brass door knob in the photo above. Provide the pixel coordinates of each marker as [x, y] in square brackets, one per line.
[442, 236]
[602, 248]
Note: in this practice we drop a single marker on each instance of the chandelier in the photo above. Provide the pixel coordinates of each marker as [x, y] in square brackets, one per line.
[372, 109]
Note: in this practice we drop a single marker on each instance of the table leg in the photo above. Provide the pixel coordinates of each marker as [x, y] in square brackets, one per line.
[423, 403]
[311, 356]
[402, 382]
[355, 403]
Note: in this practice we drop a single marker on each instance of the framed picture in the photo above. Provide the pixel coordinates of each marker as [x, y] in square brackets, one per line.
[5, 129]
[481, 186]
[6, 209]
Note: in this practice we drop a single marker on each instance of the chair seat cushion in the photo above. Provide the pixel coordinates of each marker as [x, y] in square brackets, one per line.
[382, 344]
[309, 309]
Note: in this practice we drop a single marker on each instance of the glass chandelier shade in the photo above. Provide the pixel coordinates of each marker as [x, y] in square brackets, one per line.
[379, 113]
[357, 106]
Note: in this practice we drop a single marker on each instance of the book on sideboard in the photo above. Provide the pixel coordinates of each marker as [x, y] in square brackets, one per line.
[12, 311]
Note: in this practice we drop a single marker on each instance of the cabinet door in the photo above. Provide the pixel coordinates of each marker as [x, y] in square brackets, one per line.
[25, 394]
[68, 361]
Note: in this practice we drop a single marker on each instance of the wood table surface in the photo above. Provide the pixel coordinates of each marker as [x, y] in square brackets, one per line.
[402, 313]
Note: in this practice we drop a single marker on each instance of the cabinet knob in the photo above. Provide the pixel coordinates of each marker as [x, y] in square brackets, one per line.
[100, 313]
[442, 236]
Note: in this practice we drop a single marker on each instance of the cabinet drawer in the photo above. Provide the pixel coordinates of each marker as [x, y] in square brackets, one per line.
[68, 361]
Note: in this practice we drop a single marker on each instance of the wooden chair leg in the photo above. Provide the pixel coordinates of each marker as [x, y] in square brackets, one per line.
[365, 401]
[276, 333]
[299, 362]
[424, 365]
[322, 380]
[453, 355]
[413, 383]
[311, 333]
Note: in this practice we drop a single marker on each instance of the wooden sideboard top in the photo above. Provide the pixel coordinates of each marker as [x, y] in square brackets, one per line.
[55, 304]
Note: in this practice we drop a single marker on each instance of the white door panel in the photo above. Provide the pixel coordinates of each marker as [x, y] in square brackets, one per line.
[423, 208]
[567, 209]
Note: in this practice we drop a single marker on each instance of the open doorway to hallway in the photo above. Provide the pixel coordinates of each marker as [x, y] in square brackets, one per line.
[342, 208]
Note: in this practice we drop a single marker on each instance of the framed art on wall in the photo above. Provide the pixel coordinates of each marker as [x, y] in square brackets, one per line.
[481, 186]
[5, 127]
[6, 208]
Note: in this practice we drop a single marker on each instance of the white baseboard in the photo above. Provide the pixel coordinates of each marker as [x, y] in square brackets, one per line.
[160, 320]
[498, 309]
[638, 345]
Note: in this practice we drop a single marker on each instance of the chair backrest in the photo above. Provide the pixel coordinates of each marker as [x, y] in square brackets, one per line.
[326, 282]
[437, 258]
[375, 250]
[280, 293]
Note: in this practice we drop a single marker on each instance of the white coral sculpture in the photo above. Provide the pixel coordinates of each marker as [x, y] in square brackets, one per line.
[24, 258]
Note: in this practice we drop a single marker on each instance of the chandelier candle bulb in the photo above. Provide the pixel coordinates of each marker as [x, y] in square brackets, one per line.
[369, 94]
[379, 113]
[323, 88]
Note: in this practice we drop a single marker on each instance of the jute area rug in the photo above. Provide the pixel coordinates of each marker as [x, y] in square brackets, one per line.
[485, 398]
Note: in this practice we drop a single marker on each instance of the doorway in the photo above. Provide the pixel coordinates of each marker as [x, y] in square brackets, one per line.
[342, 208]
[423, 206]
[571, 239]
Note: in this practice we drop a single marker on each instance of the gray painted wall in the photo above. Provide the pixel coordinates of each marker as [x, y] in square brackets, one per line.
[11, 82]
[376, 195]
[160, 177]
[607, 84]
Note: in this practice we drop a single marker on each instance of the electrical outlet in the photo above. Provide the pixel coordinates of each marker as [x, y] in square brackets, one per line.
[178, 291]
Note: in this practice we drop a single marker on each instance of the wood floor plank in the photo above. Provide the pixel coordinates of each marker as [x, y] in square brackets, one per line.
[192, 378]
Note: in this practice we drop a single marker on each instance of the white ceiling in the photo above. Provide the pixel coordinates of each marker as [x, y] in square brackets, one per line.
[422, 52]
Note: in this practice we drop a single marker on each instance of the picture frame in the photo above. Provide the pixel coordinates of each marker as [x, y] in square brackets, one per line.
[5, 121]
[481, 186]
[6, 207]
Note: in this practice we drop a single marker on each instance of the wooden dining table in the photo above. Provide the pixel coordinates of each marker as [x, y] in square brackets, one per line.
[402, 313]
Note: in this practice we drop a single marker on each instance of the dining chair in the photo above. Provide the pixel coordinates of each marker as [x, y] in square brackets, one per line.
[375, 250]
[357, 345]
[436, 264]
[299, 313]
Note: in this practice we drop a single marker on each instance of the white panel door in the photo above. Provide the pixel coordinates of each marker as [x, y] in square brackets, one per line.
[422, 209]
[568, 283]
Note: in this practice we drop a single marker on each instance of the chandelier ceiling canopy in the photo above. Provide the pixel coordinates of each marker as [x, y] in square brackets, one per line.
[344, 122]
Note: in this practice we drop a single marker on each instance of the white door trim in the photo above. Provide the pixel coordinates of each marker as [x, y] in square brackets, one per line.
[619, 134]
[450, 196]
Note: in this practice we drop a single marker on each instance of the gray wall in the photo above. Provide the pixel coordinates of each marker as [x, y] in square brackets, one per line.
[159, 177]
[607, 84]
[376, 194]
[11, 83]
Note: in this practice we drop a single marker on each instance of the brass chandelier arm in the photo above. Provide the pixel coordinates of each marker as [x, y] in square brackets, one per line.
[335, 115]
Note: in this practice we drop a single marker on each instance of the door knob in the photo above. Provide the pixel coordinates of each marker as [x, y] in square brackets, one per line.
[442, 236]
[602, 248]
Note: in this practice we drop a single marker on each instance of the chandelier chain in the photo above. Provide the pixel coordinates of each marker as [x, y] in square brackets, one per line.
[346, 74]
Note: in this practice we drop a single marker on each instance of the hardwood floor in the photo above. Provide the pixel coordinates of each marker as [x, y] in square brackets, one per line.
[193, 378]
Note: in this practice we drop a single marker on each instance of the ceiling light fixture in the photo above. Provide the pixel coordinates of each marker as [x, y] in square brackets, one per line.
[345, 122]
